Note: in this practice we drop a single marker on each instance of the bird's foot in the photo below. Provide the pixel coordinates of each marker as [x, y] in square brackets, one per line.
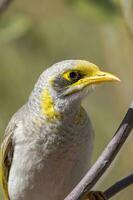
[95, 195]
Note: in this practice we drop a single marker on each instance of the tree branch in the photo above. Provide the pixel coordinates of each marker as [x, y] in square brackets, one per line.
[118, 186]
[4, 4]
[106, 158]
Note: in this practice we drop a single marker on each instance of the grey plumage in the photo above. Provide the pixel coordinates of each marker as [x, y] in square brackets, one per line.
[48, 143]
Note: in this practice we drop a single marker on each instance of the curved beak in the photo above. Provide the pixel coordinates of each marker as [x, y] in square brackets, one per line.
[100, 77]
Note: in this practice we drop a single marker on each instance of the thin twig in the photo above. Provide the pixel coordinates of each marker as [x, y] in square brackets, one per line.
[118, 186]
[106, 158]
[4, 4]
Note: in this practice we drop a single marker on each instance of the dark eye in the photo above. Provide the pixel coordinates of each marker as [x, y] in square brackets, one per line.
[74, 75]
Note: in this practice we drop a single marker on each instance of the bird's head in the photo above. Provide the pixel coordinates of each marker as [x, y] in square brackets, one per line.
[68, 82]
[72, 77]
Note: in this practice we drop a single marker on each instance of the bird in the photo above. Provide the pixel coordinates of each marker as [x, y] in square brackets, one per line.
[48, 143]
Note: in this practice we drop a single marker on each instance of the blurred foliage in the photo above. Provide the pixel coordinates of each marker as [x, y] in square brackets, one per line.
[98, 10]
[14, 27]
[35, 34]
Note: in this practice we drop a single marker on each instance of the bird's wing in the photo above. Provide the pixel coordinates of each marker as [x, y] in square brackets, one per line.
[6, 155]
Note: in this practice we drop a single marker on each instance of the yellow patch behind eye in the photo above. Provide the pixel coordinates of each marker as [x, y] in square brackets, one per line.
[48, 107]
[67, 75]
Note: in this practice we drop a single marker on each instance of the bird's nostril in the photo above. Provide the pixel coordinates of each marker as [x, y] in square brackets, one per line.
[101, 74]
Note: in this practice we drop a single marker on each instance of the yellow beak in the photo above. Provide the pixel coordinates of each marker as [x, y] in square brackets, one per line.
[96, 78]
[100, 77]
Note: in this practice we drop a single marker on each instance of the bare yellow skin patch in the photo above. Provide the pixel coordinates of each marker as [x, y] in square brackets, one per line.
[90, 74]
[48, 107]
[88, 69]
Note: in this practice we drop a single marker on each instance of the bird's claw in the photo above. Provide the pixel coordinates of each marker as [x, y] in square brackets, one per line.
[95, 195]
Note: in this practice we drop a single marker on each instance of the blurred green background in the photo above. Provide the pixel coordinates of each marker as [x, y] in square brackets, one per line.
[37, 33]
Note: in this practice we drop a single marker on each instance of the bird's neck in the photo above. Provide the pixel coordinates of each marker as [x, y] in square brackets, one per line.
[68, 109]
[53, 108]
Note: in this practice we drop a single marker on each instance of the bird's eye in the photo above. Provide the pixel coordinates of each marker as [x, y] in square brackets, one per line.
[72, 76]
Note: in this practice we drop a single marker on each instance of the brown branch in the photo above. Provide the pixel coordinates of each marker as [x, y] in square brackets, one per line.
[4, 4]
[118, 186]
[106, 158]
